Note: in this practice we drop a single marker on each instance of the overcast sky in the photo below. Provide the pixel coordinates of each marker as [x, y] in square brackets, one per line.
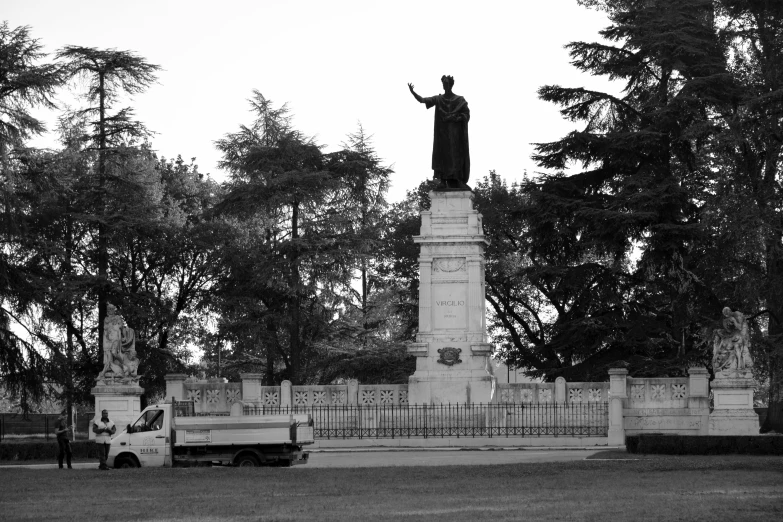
[336, 63]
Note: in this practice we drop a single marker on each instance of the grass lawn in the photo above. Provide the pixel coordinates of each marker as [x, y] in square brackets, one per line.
[713, 488]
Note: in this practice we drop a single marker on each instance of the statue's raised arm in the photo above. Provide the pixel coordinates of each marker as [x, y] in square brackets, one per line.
[418, 98]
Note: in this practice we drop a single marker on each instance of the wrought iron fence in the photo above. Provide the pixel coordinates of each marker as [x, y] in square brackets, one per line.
[452, 420]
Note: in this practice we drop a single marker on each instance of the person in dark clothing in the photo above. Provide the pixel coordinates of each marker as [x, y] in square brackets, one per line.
[61, 430]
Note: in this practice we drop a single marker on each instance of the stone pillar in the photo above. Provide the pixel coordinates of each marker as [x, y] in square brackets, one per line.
[733, 412]
[251, 386]
[699, 396]
[698, 387]
[175, 386]
[123, 403]
[618, 392]
[353, 392]
[560, 390]
[451, 349]
[286, 394]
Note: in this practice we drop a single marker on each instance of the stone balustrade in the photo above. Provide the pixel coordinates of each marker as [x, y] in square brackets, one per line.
[678, 405]
[558, 392]
[675, 405]
[218, 396]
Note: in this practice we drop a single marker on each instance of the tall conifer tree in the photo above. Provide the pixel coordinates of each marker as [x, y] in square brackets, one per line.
[109, 74]
[629, 213]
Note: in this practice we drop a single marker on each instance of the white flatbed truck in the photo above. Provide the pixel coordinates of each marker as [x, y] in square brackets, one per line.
[170, 434]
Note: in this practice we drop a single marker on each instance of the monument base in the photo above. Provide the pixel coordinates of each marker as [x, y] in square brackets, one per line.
[733, 412]
[734, 422]
[123, 402]
[450, 389]
[451, 346]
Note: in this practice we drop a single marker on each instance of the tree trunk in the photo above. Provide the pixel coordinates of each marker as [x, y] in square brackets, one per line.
[364, 259]
[68, 324]
[103, 261]
[295, 300]
[270, 354]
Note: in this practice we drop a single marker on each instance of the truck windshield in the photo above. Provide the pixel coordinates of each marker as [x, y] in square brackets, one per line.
[151, 421]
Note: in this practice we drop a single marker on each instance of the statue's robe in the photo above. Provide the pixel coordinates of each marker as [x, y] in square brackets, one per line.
[450, 150]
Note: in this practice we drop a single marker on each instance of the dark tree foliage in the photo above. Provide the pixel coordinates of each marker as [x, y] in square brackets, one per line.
[25, 83]
[744, 257]
[612, 248]
[164, 263]
[291, 259]
[398, 260]
[538, 307]
[109, 74]
[364, 181]
[373, 333]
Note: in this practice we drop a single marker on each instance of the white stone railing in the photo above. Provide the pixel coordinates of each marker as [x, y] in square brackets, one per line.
[211, 395]
[635, 405]
[218, 396]
[660, 405]
[558, 392]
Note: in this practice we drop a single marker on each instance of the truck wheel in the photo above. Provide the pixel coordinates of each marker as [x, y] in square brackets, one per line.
[247, 461]
[125, 462]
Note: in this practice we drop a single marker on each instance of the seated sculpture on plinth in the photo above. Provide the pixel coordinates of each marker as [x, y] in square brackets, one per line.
[120, 363]
[730, 347]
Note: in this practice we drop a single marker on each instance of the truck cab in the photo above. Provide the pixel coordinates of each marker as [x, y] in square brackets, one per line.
[170, 434]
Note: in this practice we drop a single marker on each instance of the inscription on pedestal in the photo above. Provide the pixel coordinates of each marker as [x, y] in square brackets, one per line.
[449, 307]
[663, 423]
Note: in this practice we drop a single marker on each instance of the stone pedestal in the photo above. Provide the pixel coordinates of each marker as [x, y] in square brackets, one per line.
[123, 403]
[175, 386]
[451, 345]
[733, 412]
[618, 392]
[251, 386]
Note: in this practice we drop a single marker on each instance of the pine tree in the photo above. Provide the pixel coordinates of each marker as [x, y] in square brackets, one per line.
[640, 153]
[291, 257]
[25, 83]
[744, 258]
[110, 74]
[363, 183]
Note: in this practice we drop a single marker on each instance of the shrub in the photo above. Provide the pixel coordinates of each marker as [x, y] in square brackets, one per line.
[45, 450]
[704, 444]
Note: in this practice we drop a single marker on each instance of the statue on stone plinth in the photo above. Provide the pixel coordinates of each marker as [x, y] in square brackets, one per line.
[120, 362]
[730, 347]
[450, 151]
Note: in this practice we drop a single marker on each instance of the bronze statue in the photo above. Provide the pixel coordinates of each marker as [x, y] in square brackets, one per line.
[119, 350]
[730, 347]
[450, 150]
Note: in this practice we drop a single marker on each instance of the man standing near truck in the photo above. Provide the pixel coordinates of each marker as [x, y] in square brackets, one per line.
[103, 429]
[61, 430]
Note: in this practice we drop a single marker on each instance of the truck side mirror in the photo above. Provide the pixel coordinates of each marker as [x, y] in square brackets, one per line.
[128, 429]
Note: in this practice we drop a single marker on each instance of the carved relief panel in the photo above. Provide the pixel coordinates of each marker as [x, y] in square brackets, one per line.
[449, 265]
